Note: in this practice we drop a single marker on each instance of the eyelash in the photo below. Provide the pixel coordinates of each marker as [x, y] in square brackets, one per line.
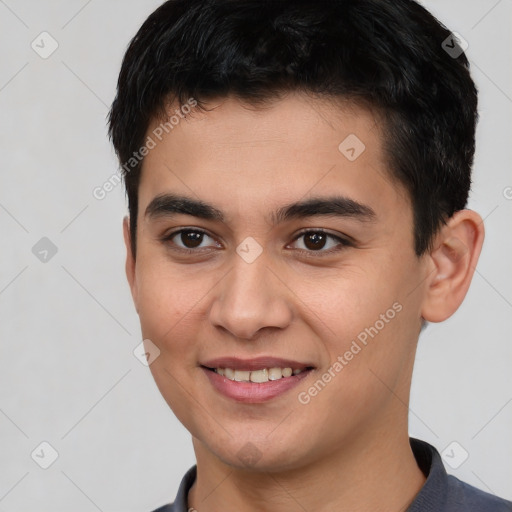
[343, 242]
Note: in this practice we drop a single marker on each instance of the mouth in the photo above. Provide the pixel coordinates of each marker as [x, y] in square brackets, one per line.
[255, 380]
[258, 376]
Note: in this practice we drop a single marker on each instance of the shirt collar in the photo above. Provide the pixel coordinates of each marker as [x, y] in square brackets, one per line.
[435, 490]
[180, 503]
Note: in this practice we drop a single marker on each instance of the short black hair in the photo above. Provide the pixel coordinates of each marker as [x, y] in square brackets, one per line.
[391, 55]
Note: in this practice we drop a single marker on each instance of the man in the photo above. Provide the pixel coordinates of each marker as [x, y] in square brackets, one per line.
[297, 175]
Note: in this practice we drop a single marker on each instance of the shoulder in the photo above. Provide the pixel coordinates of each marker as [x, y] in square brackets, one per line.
[165, 508]
[471, 499]
[180, 503]
[446, 493]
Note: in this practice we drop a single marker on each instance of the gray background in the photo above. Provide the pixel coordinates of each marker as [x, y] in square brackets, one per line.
[68, 327]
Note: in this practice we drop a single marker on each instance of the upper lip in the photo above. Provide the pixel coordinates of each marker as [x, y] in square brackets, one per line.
[257, 363]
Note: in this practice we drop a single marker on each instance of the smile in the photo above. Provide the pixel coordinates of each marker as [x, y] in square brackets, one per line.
[257, 376]
[255, 380]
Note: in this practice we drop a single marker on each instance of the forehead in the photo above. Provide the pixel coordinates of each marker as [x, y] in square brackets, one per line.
[248, 159]
[296, 122]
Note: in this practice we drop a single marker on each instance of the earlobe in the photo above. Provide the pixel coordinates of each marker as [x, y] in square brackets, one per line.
[130, 261]
[453, 261]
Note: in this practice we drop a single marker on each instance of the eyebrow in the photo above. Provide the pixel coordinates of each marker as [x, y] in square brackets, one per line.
[168, 205]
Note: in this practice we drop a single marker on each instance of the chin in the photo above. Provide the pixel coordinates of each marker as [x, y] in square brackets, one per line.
[256, 453]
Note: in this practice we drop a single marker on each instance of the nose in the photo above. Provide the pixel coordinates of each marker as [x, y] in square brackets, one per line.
[250, 298]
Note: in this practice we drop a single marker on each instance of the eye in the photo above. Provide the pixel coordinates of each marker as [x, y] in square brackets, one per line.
[310, 241]
[320, 241]
[190, 240]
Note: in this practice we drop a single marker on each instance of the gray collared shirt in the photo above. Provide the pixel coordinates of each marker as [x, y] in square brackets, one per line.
[440, 493]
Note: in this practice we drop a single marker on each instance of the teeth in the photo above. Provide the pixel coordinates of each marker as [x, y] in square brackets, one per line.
[274, 373]
[242, 376]
[259, 376]
[287, 372]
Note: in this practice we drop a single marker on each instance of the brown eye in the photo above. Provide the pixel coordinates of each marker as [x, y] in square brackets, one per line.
[315, 240]
[189, 239]
[320, 242]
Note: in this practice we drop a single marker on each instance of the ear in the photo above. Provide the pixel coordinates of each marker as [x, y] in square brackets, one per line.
[452, 265]
[130, 261]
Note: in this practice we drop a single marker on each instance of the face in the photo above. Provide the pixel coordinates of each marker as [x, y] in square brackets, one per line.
[264, 244]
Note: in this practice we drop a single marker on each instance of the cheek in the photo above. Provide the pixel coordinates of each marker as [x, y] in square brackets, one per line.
[349, 300]
[369, 325]
[168, 302]
[170, 307]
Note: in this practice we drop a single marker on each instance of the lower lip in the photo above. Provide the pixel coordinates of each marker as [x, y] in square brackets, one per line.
[253, 392]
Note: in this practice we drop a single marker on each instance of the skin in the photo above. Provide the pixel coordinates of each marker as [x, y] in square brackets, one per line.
[348, 448]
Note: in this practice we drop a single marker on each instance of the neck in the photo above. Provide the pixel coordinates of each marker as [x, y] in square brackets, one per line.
[375, 472]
